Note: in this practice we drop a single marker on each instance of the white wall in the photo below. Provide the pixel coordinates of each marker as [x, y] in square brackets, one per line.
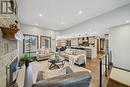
[31, 30]
[101, 23]
[120, 46]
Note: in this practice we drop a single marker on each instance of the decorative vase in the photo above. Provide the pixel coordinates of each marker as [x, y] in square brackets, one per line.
[26, 63]
[20, 64]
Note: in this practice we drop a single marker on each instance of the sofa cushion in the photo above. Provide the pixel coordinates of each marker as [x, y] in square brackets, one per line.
[47, 51]
[43, 55]
[50, 50]
[39, 76]
[42, 75]
[74, 52]
[69, 51]
[41, 51]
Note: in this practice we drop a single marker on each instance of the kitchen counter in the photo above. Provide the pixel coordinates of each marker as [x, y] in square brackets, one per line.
[91, 52]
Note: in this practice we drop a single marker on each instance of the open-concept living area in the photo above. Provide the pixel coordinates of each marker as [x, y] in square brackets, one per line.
[64, 43]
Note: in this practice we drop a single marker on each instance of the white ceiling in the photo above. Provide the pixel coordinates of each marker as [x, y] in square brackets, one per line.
[63, 14]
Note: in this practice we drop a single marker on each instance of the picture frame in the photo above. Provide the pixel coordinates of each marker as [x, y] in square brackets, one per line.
[30, 43]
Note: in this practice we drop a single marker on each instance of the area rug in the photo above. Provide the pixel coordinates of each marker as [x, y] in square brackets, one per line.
[44, 66]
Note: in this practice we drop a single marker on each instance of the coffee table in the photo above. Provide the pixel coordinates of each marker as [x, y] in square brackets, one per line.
[56, 62]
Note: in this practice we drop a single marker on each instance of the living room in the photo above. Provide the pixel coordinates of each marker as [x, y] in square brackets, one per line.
[64, 43]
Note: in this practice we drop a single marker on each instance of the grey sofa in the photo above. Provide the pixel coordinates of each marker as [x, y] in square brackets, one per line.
[71, 79]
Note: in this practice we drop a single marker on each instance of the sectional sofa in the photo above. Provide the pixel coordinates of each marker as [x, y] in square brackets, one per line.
[69, 78]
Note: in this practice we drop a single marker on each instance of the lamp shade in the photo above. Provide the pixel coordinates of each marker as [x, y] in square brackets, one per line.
[19, 35]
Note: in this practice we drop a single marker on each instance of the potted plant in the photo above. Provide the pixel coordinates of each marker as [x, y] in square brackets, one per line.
[26, 58]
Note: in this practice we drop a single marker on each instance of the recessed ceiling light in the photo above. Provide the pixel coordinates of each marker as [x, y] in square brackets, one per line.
[62, 23]
[80, 12]
[40, 15]
[127, 21]
[36, 24]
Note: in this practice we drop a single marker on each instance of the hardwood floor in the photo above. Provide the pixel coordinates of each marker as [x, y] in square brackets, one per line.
[113, 83]
[92, 64]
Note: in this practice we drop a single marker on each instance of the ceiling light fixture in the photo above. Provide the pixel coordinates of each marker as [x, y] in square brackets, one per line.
[80, 12]
[127, 21]
[40, 15]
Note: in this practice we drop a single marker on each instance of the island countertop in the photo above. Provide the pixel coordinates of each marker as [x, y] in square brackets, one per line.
[90, 51]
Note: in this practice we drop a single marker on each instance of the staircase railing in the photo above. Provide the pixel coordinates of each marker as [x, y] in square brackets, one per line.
[105, 66]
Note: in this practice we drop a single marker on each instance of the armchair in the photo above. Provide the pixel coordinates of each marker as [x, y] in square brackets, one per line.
[74, 56]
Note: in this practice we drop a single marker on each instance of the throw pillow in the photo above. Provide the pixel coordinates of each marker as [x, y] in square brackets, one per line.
[74, 52]
[47, 51]
[67, 51]
[42, 51]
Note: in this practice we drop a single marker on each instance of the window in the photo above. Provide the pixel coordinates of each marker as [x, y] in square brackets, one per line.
[45, 42]
[30, 43]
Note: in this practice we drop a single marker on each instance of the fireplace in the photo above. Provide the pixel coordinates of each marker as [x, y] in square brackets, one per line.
[12, 72]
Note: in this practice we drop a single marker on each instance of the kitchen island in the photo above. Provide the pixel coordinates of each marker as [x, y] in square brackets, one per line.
[91, 52]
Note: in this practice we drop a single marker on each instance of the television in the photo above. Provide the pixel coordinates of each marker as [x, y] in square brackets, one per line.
[12, 72]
